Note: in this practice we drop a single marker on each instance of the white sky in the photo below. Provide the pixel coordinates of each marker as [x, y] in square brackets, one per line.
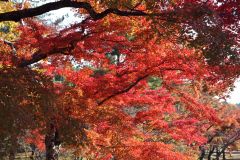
[235, 95]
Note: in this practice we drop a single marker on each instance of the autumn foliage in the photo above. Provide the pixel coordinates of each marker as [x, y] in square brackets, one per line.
[132, 80]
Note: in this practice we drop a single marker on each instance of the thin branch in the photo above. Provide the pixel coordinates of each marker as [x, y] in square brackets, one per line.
[233, 139]
[40, 55]
[14, 51]
[10, 44]
[37, 56]
[124, 90]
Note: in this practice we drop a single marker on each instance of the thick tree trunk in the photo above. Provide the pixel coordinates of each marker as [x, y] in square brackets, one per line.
[11, 156]
[52, 143]
[13, 147]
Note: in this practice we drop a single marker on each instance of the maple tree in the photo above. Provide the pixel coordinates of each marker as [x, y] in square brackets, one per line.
[223, 136]
[24, 100]
[131, 78]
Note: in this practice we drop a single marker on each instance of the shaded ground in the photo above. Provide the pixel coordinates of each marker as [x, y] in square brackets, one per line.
[235, 155]
[26, 156]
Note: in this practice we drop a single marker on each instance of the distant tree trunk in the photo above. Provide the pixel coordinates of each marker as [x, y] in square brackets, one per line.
[11, 155]
[224, 155]
[211, 150]
[52, 142]
[33, 149]
[32, 155]
[13, 147]
[202, 152]
[217, 154]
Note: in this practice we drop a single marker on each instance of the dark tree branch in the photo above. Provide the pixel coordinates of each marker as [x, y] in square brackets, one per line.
[37, 56]
[18, 15]
[40, 55]
[233, 139]
[10, 44]
[31, 12]
[124, 90]
[14, 51]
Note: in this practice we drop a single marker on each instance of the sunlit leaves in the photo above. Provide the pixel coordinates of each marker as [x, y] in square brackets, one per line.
[8, 30]
[128, 87]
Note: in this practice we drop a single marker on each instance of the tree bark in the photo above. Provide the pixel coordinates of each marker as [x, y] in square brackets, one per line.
[224, 155]
[11, 155]
[52, 143]
[218, 154]
[202, 152]
[211, 152]
[13, 147]
[33, 149]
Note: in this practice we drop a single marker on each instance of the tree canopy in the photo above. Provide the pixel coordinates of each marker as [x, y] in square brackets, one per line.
[134, 79]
